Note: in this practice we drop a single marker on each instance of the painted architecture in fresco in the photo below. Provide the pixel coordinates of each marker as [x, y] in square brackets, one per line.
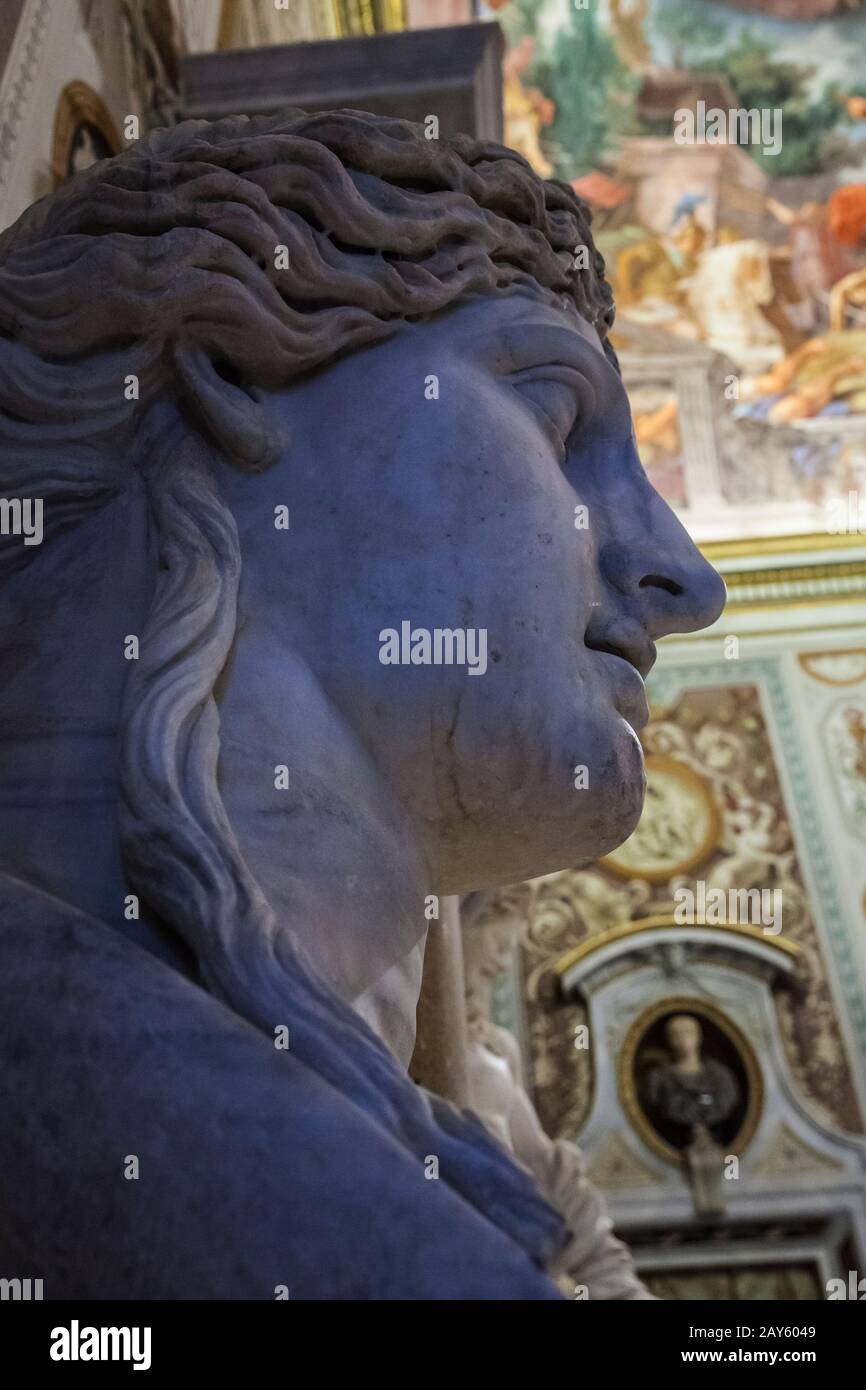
[739, 265]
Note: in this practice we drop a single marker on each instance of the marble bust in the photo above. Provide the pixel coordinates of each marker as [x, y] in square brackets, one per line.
[690, 1090]
[280, 386]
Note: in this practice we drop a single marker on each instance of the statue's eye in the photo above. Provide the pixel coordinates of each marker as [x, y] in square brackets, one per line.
[556, 395]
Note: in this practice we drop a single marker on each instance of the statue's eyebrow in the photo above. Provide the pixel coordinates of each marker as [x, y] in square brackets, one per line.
[531, 343]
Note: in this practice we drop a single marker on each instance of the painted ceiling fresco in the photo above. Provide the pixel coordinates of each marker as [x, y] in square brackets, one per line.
[722, 147]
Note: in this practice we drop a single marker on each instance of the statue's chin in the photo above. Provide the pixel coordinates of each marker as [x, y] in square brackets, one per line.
[557, 830]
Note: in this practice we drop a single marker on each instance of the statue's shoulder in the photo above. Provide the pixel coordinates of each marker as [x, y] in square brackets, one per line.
[32, 919]
[156, 1145]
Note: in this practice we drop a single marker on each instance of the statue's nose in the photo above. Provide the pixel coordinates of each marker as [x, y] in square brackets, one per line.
[669, 584]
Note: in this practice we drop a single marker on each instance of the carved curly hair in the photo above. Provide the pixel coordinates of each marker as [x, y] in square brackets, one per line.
[166, 256]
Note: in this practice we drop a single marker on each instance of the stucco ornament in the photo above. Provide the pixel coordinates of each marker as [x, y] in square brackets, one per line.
[224, 811]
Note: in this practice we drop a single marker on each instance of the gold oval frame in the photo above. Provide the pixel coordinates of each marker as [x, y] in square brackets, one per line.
[659, 762]
[626, 1077]
[77, 104]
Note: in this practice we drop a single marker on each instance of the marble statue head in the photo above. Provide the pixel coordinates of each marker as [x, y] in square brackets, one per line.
[405, 342]
[683, 1036]
[350, 573]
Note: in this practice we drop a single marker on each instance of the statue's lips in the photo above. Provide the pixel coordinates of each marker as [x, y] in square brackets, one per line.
[629, 691]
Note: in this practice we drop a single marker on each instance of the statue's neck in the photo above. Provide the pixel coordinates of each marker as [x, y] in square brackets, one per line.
[322, 833]
[690, 1065]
